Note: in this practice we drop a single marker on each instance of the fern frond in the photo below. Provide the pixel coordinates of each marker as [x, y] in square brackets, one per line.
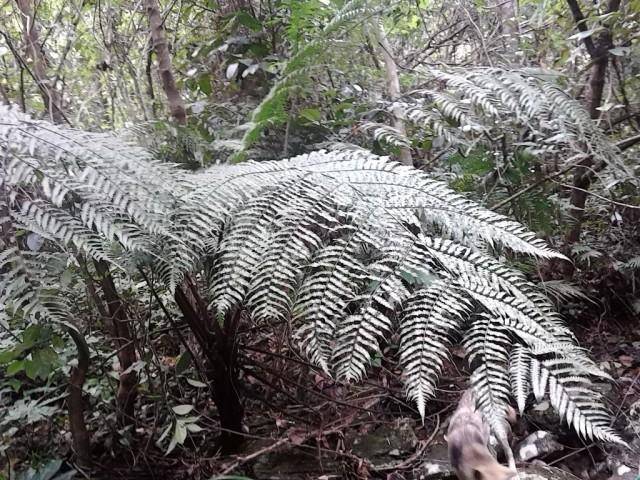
[519, 364]
[27, 291]
[342, 243]
[432, 318]
[386, 134]
[487, 345]
[480, 102]
[574, 399]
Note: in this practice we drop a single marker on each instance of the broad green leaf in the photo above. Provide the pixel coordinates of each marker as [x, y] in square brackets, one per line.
[585, 34]
[249, 21]
[32, 367]
[311, 114]
[620, 51]
[196, 383]
[183, 363]
[194, 428]
[182, 409]
[7, 355]
[31, 335]
[15, 367]
[204, 84]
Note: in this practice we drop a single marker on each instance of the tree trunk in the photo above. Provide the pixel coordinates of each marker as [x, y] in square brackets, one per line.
[159, 41]
[38, 67]
[225, 378]
[393, 88]
[75, 403]
[121, 333]
[219, 346]
[599, 52]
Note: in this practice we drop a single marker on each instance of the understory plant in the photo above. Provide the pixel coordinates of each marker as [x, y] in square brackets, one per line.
[347, 246]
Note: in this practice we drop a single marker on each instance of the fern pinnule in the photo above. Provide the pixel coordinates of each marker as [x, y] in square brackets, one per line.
[519, 374]
[487, 344]
[575, 400]
[299, 235]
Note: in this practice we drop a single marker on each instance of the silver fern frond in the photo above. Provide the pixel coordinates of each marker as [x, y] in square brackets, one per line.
[487, 344]
[432, 319]
[346, 245]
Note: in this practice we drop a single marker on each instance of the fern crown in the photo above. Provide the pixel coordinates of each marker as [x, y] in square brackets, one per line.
[348, 246]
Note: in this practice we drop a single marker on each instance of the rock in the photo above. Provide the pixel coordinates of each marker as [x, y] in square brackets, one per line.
[436, 463]
[544, 416]
[531, 471]
[536, 445]
[386, 443]
[624, 472]
[539, 470]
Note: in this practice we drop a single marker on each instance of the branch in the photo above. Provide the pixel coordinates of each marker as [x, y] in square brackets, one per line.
[539, 182]
[581, 24]
[622, 145]
[628, 142]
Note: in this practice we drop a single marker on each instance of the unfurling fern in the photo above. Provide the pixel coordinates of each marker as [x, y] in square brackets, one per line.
[347, 245]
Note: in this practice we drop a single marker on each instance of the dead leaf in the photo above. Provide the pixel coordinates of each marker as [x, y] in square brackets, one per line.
[297, 436]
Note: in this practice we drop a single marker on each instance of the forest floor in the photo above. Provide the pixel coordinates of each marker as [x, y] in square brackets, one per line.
[300, 425]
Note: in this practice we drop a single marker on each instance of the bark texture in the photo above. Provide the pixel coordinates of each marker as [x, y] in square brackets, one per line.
[161, 48]
[124, 342]
[393, 89]
[219, 346]
[598, 50]
[38, 63]
[75, 402]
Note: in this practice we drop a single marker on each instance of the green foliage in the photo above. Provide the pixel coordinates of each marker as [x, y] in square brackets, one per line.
[296, 72]
[49, 471]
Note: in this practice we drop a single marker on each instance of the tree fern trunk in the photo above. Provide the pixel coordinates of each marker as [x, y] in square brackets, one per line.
[159, 41]
[219, 346]
[75, 402]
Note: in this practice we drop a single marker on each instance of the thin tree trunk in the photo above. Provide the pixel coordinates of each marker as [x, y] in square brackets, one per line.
[75, 402]
[150, 92]
[121, 332]
[599, 52]
[3, 94]
[393, 88]
[38, 69]
[159, 41]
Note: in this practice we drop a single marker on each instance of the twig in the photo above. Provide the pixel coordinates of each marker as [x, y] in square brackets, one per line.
[620, 204]
[253, 455]
[624, 399]
[576, 160]
[568, 455]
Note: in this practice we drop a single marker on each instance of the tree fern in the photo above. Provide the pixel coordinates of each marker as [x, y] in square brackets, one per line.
[348, 246]
[477, 104]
